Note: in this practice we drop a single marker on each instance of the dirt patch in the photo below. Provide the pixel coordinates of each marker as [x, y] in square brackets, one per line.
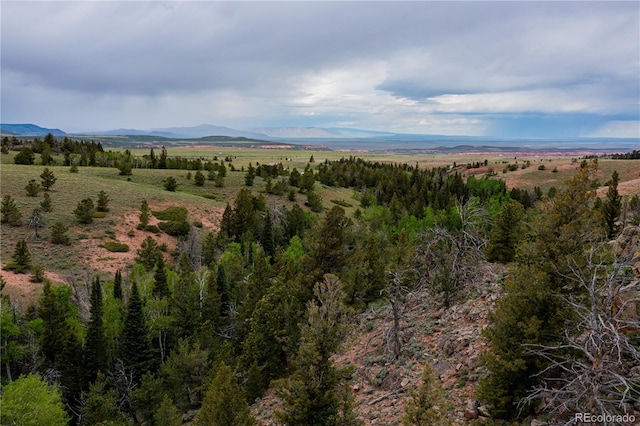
[23, 292]
[630, 187]
[99, 258]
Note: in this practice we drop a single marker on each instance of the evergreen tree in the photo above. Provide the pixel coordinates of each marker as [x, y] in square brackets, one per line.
[274, 333]
[199, 178]
[32, 188]
[534, 310]
[250, 176]
[95, 350]
[267, 238]
[100, 404]
[21, 256]
[167, 414]
[160, 286]
[148, 253]
[425, 406]
[223, 290]
[103, 202]
[315, 393]
[170, 184]
[84, 211]
[135, 349]
[117, 286]
[10, 212]
[184, 302]
[25, 156]
[45, 204]
[224, 404]
[47, 178]
[144, 215]
[506, 233]
[162, 161]
[612, 206]
[58, 234]
[53, 317]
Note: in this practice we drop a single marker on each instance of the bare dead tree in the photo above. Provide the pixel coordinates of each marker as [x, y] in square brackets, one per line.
[590, 371]
[397, 291]
[451, 258]
[192, 247]
[35, 222]
[124, 384]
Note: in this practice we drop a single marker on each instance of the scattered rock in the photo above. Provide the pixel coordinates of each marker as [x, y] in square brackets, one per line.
[471, 410]
[483, 411]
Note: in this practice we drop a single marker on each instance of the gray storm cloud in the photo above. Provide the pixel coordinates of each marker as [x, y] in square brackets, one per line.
[372, 64]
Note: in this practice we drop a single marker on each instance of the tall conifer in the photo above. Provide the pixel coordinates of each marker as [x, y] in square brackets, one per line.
[95, 350]
[135, 347]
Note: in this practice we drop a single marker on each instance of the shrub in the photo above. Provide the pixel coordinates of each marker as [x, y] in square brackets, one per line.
[175, 213]
[32, 188]
[84, 211]
[37, 274]
[542, 167]
[58, 234]
[116, 247]
[175, 229]
[170, 184]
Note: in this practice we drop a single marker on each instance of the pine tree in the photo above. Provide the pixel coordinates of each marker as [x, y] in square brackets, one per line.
[184, 302]
[425, 406]
[100, 404]
[148, 253]
[533, 310]
[45, 204]
[95, 350]
[170, 184]
[199, 178]
[144, 215]
[223, 291]
[250, 176]
[47, 178]
[135, 349]
[58, 234]
[103, 202]
[506, 233]
[84, 211]
[21, 256]
[314, 394]
[224, 404]
[160, 286]
[53, 318]
[32, 188]
[167, 414]
[267, 238]
[612, 206]
[117, 286]
[10, 212]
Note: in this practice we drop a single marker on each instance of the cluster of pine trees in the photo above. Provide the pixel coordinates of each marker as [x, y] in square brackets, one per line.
[266, 301]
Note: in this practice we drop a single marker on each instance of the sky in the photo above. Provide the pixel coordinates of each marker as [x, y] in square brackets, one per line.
[495, 69]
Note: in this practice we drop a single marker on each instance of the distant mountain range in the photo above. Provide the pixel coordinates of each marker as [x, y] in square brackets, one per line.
[28, 130]
[334, 137]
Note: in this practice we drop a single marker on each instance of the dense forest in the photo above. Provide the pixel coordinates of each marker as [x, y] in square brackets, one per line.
[263, 305]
